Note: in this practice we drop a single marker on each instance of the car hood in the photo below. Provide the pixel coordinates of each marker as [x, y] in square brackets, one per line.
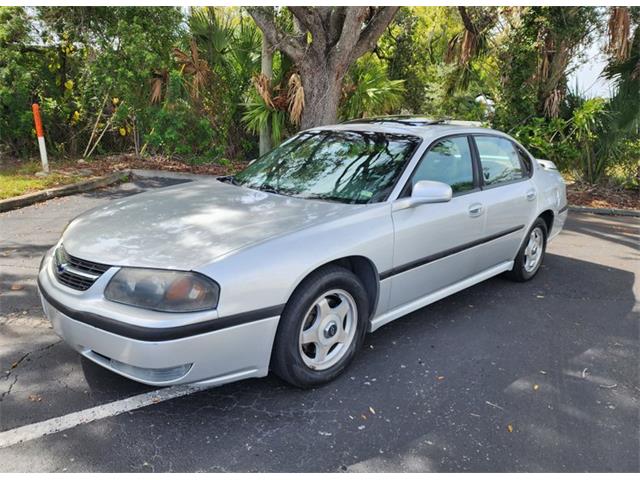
[189, 225]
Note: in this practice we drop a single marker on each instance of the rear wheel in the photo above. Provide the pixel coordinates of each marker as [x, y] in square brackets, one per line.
[321, 328]
[530, 256]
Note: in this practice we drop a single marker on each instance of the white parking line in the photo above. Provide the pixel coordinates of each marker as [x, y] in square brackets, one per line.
[59, 424]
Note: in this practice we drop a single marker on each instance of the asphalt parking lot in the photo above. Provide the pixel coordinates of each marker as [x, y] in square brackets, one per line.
[542, 376]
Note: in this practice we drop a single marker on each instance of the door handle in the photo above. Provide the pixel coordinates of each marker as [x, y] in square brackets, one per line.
[475, 209]
[531, 195]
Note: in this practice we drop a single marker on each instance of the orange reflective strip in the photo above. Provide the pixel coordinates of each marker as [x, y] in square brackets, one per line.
[37, 120]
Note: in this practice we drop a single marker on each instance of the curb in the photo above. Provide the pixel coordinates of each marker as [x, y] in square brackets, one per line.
[605, 211]
[85, 186]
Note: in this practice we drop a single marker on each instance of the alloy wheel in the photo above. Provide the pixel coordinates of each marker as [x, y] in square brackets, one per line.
[328, 329]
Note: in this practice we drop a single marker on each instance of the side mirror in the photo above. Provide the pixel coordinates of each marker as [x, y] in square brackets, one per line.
[425, 191]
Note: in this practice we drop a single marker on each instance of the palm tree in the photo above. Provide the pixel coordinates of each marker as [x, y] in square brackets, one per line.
[368, 91]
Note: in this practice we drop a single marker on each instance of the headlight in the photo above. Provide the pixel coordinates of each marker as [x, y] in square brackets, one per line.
[163, 290]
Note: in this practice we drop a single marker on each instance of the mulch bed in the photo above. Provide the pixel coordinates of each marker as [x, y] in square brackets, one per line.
[597, 196]
[112, 163]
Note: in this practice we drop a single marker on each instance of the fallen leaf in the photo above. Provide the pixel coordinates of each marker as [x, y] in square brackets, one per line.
[35, 398]
[493, 405]
[16, 286]
[372, 410]
[536, 386]
[440, 377]
[510, 428]
[364, 417]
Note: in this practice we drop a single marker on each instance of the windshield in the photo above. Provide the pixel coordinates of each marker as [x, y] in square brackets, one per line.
[343, 166]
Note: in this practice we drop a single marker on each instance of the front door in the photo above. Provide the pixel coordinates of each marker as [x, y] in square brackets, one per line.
[434, 243]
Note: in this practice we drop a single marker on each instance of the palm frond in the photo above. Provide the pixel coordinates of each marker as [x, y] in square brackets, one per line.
[195, 67]
[368, 90]
[295, 95]
[159, 83]
[263, 86]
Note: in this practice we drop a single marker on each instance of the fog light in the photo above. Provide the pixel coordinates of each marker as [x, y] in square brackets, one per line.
[156, 375]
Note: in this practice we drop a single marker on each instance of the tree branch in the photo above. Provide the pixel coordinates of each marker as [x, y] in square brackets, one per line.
[466, 20]
[372, 32]
[351, 28]
[311, 21]
[335, 22]
[291, 46]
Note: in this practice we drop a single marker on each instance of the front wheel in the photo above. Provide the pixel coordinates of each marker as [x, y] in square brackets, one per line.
[321, 328]
[530, 256]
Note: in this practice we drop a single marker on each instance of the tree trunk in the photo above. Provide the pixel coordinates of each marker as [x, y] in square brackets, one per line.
[339, 36]
[322, 89]
[267, 71]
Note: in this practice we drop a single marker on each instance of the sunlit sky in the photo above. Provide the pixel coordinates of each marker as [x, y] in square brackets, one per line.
[587, 75]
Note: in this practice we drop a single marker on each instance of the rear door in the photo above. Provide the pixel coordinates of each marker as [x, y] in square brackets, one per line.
[433, 245]
[508, 194]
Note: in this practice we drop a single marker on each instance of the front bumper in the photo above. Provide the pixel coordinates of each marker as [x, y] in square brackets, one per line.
[215, 357]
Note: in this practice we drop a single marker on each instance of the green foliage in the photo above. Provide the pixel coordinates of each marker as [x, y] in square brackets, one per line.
[178, 81]
[178, 131]
[534, 59]
[17, 79]
[626, 170]
[414, 48]
[229, 42]
[368, 91]
[258, 115]
[548, 140]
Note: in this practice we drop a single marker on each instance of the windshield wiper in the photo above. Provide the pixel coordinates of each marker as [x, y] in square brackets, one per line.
[328, 198]
[229, 179]
[269, 189]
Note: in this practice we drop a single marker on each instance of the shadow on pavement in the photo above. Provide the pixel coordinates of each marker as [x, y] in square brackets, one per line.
[621, 230]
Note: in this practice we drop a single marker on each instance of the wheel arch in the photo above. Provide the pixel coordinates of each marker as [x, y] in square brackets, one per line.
[363, 268]
[548, 218]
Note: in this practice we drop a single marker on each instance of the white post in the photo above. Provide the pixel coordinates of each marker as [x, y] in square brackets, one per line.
[39, 132]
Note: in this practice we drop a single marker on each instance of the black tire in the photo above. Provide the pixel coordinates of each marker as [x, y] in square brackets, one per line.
[286, 358]
[519, 273]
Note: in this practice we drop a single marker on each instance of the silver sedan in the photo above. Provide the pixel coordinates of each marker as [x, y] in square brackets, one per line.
[287, 265]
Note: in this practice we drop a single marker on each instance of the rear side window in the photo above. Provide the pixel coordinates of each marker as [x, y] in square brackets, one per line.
[525, 161]
[499, 159]
[448, 161]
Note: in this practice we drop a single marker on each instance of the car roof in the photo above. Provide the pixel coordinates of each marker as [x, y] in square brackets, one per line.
[423, 127]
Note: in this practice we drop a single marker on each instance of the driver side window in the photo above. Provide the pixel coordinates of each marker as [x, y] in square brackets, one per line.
[447, 161]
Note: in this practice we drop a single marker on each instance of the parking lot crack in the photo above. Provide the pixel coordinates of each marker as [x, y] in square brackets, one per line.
[8, 391]
[17, 363]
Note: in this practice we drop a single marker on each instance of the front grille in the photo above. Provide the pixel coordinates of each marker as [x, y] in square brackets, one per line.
[75, 272]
